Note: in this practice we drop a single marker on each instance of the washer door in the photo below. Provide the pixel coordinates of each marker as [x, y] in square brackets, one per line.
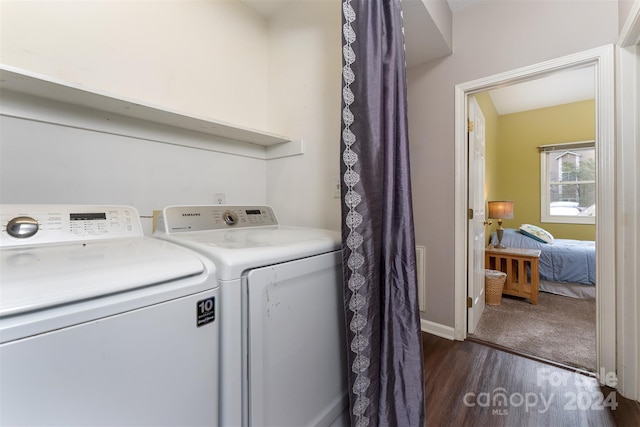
[296, 346]
[154, 366]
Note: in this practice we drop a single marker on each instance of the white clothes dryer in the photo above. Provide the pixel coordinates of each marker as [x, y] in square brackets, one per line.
[100, 325]
[283, 355]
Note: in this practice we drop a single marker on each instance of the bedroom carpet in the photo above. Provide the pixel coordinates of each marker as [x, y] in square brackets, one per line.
[560, 329]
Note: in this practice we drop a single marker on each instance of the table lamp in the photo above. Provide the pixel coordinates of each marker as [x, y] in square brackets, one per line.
[500, 209]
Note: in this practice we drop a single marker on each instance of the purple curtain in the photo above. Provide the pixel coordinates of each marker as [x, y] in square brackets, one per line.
[386, 364]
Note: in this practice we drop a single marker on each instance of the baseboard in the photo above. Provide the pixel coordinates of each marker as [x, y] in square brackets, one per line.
[437, 329]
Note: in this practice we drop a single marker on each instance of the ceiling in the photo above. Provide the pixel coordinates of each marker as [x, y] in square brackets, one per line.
[559, 88]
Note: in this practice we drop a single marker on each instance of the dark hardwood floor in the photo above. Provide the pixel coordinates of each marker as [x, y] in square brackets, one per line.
[471, 384]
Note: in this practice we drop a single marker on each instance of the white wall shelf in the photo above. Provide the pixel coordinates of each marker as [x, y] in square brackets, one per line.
[15, 82]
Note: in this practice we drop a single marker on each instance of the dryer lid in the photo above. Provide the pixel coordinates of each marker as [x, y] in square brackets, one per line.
[236, 251]
[37, 277]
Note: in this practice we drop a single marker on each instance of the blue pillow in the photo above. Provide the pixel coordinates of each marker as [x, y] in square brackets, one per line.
[537, 233]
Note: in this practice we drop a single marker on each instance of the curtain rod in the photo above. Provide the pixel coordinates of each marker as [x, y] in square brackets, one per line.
[566, 146]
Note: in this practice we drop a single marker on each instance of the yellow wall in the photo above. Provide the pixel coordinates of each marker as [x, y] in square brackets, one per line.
[518, 176]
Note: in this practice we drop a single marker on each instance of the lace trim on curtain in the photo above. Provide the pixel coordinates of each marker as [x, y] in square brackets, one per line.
[356, 280]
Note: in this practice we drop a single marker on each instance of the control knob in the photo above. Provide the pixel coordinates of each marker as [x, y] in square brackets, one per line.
[230, 217]
[22, 227]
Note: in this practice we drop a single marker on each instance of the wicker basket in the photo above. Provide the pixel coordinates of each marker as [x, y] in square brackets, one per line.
[494, 282]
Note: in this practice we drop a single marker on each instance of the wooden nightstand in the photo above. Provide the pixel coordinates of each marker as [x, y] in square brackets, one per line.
[515, 262]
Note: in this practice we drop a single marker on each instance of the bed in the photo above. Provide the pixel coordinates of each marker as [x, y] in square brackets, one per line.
[567, 267]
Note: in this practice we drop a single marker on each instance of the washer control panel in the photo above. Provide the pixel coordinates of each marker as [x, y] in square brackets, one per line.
[42, 224]
[175, 219]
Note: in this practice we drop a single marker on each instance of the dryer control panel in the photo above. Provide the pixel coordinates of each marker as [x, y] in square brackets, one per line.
[42, 224]
[175, 219]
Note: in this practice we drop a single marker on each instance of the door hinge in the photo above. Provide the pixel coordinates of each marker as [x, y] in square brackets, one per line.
[470, 213]
[470, 126]
[469, 302]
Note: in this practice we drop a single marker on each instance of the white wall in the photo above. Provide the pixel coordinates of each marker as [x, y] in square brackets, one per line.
[207, 58]
[489, 38]
[50, 164]
[216, 59]
[305, 70]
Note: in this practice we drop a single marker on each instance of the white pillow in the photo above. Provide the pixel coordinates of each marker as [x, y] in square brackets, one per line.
[537, 233]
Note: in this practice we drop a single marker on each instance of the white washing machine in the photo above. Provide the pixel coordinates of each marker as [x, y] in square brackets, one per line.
[283, 355]
[100, 325]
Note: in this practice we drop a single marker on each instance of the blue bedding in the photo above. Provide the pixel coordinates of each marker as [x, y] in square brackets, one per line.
[564, 260]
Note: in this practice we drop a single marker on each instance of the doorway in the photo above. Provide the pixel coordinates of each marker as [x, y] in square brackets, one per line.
[602, 60]
[548, 121]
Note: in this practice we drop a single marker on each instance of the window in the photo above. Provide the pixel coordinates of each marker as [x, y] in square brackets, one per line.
[568, 183]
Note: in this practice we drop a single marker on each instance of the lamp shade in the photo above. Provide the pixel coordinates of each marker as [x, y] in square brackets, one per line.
[501, 209]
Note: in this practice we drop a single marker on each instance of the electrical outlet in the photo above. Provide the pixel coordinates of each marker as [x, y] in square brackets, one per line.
[218, 198]
[336, 187]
